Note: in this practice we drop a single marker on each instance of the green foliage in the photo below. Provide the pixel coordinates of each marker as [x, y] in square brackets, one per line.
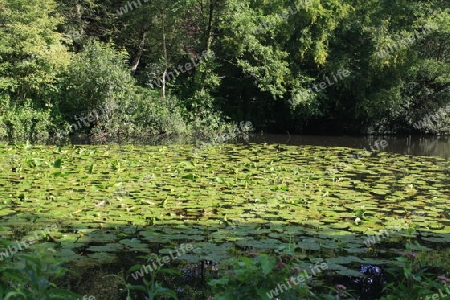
[23, 122]
[151, 289]
[31, 53]
[203, 120]
[97, 77]
[29, 277]
[98, 81]
[412, 279]
[359, 213]
[32, 59]
[267, 55]
[253, 278]
[397, 61]
[97, 87]
[145, 117]
[275, 51]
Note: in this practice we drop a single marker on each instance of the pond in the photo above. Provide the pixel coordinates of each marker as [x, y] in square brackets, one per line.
[108, 204]
[407, 145]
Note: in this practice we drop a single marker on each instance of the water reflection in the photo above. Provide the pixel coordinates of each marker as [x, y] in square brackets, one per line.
[410, 145]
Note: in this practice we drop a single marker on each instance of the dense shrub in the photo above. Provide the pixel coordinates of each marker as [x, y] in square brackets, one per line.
[22, 123]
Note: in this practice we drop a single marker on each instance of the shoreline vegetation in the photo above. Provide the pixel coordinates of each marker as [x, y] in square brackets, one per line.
[99, 70]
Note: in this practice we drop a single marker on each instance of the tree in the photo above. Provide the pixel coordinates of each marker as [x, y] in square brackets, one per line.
[32, 58]
[393, 47]
[98, 78]
[32, 55]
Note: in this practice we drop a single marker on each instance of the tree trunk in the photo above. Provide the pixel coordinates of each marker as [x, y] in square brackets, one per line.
[209, 35]
[139, 53]
[163, 90]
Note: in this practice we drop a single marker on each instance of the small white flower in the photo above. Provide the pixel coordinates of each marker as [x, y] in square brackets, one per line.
[357, 220]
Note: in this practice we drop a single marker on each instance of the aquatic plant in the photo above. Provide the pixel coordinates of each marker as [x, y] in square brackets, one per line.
[29, 277]
[411, 279]
[259, 277]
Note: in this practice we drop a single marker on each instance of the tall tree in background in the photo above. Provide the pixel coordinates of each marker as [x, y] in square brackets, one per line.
[31, 51]
[278, 47]
[154, 35]
[267, 56]
[389, 44]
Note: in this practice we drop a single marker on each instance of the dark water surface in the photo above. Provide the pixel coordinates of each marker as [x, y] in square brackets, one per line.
[409, 145]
